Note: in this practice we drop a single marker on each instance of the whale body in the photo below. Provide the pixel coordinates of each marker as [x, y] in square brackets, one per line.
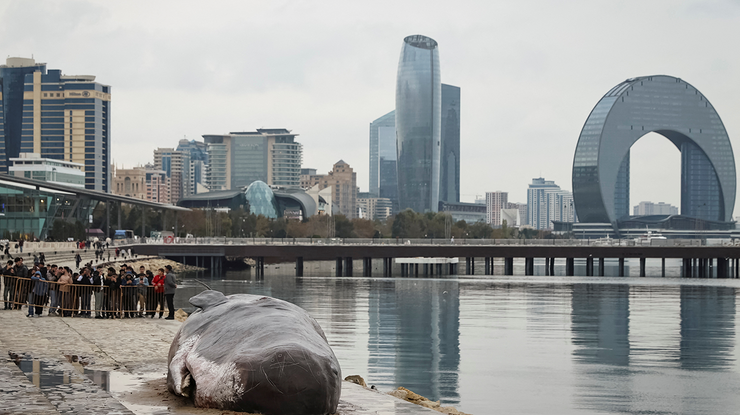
[252, 353]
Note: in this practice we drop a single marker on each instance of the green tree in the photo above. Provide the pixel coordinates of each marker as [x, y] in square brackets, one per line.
[408, 224]
[343, 227]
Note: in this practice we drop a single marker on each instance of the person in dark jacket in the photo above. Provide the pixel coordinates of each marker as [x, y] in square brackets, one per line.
[170, 285]
[98, 293]
[40, 290]
[9, 283]
[23, 292]
[85, 282]
[128, 293]
[111, 293]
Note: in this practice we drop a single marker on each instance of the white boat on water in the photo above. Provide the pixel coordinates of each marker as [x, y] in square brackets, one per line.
[648, 237]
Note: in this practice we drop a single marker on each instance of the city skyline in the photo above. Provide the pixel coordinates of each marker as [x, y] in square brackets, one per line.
[522, 116]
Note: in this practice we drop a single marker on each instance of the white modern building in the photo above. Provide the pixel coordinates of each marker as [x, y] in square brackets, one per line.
[32, 166]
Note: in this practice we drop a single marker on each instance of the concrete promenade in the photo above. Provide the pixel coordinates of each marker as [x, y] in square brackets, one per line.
[128, 360]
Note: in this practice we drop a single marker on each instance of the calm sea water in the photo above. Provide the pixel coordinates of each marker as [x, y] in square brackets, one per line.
[523, 345]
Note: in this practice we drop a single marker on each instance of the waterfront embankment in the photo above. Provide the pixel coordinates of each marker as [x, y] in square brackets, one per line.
[86, 366]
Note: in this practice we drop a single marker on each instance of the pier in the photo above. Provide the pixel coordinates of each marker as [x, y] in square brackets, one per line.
[698, 260]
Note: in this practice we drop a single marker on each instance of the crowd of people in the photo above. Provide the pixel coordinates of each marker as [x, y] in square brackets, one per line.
[108, 293]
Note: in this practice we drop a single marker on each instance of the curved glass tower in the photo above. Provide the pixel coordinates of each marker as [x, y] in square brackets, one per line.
[418, 124]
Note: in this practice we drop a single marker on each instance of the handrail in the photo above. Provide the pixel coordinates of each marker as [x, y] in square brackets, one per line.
[79, 299]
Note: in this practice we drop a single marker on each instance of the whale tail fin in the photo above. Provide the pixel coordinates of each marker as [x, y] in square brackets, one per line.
[208, 298]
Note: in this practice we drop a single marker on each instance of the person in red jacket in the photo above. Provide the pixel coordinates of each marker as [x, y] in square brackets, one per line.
[158, 283]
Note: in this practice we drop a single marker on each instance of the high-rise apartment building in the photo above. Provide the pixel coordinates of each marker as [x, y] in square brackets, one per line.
[495, 202]
[57, 116]
[650, 208]
[343, 181]
[157, 186]
[418, 124]
[449, 159]
[522, 208]
[237, 159]
[176, 164]
[546, 202]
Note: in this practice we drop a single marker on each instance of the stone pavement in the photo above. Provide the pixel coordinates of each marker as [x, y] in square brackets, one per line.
[54, 352]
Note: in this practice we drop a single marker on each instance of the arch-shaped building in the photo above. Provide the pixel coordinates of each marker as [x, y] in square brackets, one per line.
[674, 109]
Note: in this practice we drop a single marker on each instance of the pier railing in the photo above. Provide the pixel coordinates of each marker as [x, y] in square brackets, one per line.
[423, 241]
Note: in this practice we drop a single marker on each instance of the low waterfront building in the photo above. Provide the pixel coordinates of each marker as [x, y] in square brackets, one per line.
[33, 166]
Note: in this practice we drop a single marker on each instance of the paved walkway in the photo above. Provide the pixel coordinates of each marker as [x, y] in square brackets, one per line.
[128, 360]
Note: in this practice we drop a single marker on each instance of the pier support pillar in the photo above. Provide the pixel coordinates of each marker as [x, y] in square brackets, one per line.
[487, 266]
[299, 266]
[722, 268]
[570, 267]
[338, 271]
[547, 266]
[367, 267]
[642, 267]
[508, 266]
[552, 266]
[590, 267]
[662, 267]
[621, 267]
[528, 266]
[348, 266]
[601, 267]
[439, 269]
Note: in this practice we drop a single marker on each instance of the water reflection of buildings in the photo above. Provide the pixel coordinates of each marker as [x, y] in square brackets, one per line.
[630, 340]
[707, 327]
[414, 337]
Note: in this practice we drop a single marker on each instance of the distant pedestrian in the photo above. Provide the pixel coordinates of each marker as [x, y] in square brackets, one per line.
[170, 285]
[78, 259]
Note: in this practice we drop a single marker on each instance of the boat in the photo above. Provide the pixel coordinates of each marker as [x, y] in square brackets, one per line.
[648, 237]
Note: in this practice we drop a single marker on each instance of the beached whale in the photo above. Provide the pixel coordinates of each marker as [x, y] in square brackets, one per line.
[255, 354]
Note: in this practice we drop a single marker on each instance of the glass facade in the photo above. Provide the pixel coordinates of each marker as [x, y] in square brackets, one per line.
[31, 211]
[12, 78]
[418, 124]
[382, 144]
[668, 106]
[59, 117]
[261, 200]
[449, 181]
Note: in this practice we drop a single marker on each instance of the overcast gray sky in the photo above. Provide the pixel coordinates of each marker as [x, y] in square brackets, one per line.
[530, 73]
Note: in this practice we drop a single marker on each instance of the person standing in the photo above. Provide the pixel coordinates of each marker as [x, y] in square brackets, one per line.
[170, 285]
[158, 282]
[52, 275]
[78, 259]
[9, 284]
[23, 293]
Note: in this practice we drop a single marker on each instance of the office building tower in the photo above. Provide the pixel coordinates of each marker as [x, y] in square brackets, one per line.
[176, 164]
[383, 176]
[449, 160]
[418, 124]
[650, 208]
[198, 152]
[546, 202]
[343, 181]
[240, 158]
[12, 81]
[61, 117]
[495, 202]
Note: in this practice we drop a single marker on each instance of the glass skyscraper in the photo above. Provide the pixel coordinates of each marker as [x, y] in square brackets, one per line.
[12, 79]
[449, 181]
[418, 124]
[383, 177]
[674, 109]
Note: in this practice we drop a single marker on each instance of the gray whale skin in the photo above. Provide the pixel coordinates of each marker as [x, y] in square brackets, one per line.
[255, 354]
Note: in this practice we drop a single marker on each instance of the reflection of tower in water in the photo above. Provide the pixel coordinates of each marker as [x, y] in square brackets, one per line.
[414, 338]
[707, 327]
[600, 324]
